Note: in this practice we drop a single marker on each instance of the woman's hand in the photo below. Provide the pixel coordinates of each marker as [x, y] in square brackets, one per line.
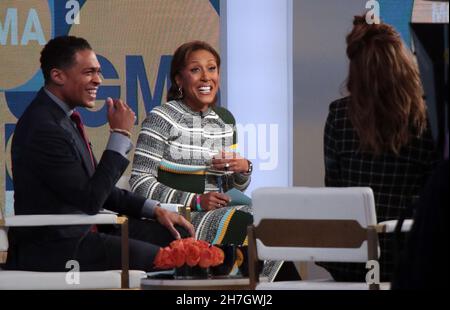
[211, 201]
[230, 162]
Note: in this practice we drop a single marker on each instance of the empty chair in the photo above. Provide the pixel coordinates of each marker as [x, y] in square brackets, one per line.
[313, 224]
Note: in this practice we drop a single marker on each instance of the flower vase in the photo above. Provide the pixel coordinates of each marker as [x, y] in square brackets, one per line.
[223, 270]
[187, 272]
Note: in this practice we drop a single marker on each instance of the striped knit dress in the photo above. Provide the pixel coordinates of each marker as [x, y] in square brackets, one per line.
[171, 164]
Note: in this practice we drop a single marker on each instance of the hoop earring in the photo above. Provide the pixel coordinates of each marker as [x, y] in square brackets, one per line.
[180, 93]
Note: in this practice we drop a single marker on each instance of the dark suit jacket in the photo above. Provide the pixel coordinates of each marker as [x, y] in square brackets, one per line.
[52, 174]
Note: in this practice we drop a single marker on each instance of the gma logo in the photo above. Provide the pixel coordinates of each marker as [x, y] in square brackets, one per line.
[9, 28]
[32, 31]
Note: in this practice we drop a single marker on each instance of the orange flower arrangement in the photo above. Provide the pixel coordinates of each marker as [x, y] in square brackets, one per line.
[188, 251]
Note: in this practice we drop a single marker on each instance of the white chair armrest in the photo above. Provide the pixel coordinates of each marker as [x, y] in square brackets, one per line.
[389, 226]
[104, 211]
[59, 219]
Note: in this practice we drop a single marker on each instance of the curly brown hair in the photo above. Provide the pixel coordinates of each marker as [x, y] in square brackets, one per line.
[386, 105]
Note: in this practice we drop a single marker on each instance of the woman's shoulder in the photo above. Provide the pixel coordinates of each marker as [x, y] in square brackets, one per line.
[339, 104]
[169, 110]
[225, 115]
[167, 107]
[164, 115]
[338, 113]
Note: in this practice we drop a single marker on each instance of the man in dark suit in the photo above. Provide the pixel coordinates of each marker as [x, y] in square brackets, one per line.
[55, 172]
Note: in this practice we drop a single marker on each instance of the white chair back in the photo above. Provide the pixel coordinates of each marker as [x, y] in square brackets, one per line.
[304, 203]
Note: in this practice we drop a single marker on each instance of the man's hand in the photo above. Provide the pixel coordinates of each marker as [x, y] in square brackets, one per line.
[168, 219]
[120, 115]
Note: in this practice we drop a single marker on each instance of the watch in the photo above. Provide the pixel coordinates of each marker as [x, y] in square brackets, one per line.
[250, 167]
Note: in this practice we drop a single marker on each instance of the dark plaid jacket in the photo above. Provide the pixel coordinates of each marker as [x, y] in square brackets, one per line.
[396, 180]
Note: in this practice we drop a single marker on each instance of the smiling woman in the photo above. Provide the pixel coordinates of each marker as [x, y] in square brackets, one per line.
[199, 80]
[183, 139]
[185, 150]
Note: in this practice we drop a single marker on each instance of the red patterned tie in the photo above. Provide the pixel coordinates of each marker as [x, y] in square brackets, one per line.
[76, 118]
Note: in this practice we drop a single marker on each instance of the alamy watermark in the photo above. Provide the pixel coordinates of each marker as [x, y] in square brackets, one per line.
[373, 13]
[373, 275]
[73, 275]
[73, 15]
[256, 142]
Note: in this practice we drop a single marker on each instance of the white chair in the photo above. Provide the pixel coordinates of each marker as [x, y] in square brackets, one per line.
[111, 279]
[315, 224]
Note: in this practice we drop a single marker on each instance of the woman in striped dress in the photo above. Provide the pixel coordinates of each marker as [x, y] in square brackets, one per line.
[184, 152]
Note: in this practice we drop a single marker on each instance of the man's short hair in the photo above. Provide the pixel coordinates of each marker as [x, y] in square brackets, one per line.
[60, 53]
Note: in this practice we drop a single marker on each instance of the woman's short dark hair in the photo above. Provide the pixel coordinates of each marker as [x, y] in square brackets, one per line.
[60, 53]
[179, 62]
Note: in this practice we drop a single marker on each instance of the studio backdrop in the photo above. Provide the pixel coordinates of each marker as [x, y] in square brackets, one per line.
[134, 41]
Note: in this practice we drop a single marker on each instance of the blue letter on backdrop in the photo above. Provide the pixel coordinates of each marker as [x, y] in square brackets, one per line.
[135, 72]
